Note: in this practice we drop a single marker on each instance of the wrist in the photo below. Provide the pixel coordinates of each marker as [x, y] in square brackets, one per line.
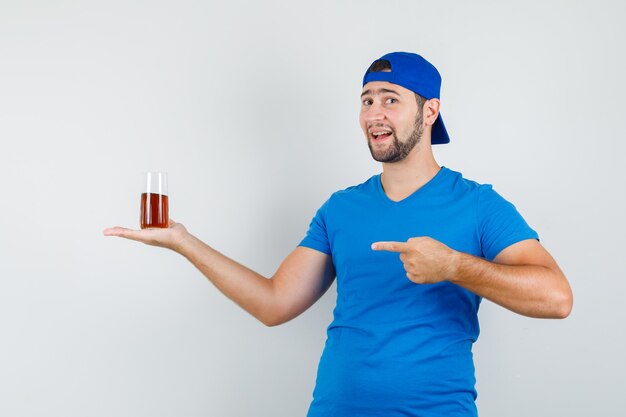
[455, 266]
[183, 243]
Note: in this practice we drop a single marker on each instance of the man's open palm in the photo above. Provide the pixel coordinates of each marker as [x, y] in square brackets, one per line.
[170, 237]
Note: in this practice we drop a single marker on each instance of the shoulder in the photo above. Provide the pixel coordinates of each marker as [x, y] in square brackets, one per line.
[459, 184]
[346, 199]
[349, 194]
[365, 188]
[459, 181]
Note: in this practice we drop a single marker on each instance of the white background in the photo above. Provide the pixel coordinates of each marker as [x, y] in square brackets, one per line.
[252, 108]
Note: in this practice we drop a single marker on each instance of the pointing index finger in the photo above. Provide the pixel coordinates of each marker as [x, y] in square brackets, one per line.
[389, 246]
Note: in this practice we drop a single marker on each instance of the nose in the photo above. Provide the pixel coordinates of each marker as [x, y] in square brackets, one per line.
[374, 112]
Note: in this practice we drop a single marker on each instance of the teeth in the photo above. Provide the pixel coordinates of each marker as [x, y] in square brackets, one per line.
[380, 133]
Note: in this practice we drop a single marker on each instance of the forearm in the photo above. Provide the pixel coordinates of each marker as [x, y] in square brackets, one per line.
[250, 290]
[530, 290]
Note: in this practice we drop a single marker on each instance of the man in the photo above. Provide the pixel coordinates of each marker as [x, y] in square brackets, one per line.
[414, 250]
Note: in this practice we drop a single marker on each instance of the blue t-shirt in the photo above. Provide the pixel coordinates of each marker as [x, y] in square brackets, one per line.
[396, 348]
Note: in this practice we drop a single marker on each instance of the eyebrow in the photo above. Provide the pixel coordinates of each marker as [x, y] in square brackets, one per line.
[379, 91]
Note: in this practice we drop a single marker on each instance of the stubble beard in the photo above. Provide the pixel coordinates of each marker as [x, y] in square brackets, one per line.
[398, 150]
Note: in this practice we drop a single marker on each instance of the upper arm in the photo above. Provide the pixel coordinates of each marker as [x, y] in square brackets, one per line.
[302, 278]
[499, 223]
[556, 287]
[527, 252]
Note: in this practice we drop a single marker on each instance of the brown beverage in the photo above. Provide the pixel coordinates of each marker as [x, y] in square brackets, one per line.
[154, 210]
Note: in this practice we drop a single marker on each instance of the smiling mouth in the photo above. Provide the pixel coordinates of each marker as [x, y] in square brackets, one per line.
[380, 136]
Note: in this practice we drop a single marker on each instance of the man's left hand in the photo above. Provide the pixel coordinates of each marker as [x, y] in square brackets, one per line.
[426, 260]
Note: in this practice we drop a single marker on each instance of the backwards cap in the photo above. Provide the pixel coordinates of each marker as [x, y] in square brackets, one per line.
[414, 73]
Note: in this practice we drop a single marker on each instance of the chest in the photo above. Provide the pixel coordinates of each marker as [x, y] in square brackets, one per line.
[450, 221]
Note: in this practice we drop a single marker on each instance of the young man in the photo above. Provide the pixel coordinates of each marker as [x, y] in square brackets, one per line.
[414, 250]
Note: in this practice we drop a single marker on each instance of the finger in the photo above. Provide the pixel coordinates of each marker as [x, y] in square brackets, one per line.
[415, 278]
[121, 232]
[110, 231]
[389, 246]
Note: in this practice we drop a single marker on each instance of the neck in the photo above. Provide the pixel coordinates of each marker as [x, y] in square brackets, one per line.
[401, 179]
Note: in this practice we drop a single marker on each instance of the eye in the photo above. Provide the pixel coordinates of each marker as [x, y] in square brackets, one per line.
[391, 100]
[366, 102]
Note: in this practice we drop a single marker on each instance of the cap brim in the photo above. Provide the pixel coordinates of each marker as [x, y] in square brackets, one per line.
[439, 134]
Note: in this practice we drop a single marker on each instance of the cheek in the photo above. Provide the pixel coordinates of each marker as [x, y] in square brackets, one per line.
[407, 122]
[362, 122]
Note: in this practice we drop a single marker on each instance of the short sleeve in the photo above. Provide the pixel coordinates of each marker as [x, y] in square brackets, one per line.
[499, 223]
[317, 235]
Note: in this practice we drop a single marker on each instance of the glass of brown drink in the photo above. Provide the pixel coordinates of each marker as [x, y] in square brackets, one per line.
[154, 204]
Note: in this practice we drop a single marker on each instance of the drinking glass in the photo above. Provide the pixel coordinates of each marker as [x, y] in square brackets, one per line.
[154, 201]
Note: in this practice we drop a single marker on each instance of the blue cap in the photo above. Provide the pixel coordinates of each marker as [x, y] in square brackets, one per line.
[414, 73]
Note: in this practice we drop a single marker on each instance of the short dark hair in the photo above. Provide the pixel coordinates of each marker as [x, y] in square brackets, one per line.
[381, 65]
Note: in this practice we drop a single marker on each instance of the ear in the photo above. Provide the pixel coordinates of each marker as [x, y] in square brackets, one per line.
[431, 111]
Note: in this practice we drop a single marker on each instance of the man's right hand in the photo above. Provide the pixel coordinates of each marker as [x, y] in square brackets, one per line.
[171, 237]
[302, 278]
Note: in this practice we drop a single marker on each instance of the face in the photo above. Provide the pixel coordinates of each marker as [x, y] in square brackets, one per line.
[391, 120]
